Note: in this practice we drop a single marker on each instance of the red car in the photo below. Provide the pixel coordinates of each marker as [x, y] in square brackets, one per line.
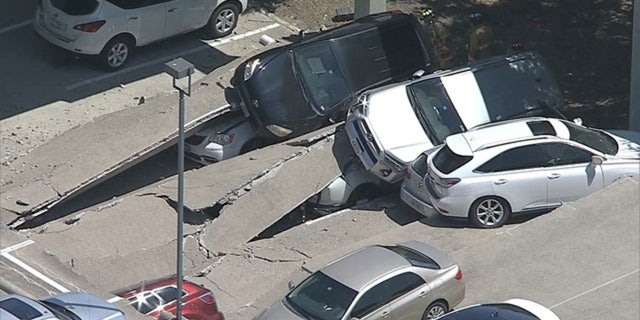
[152, 298]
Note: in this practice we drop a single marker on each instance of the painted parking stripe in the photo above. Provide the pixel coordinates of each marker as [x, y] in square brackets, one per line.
[35, 272]
[17, 246]
[114, 299]
[594, 289]
[213, 44]
[15, 26]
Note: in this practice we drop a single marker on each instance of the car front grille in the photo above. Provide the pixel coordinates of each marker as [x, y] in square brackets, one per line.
[367, 140]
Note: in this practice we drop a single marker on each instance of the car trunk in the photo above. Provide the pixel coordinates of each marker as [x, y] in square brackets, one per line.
[415, 183]
[61, 16]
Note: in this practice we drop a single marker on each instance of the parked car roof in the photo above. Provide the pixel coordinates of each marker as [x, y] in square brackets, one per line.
[349, 270]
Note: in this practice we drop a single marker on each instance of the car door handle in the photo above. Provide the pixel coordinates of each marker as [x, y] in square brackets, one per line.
[385, 314]
[133, 18]
[422, 294]
[500, 181]
[173, 10]
[554, 176]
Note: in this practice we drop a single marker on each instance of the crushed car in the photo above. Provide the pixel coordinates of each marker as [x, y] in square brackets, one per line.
[297, 88]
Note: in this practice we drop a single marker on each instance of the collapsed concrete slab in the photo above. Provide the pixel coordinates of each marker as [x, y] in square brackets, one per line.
[85, 156]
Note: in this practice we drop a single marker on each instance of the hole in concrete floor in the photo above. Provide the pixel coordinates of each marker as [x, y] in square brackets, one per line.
[294, 218]
[154, 169]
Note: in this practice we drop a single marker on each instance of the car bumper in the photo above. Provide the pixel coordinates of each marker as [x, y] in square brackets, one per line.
[417, 204]
[452, 206]
[86, 44]
[207, 153]
[370, 154]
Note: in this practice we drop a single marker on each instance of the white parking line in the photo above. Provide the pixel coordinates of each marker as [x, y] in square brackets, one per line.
[16, 246]
[35, 272]
[15, 26]
[115, 299]
[308, 223]
[593, 289]
[212, 44]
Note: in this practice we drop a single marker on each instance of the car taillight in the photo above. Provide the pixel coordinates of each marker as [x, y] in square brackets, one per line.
[448, 182]
[207, 298]
[90, 26]
[459, 275]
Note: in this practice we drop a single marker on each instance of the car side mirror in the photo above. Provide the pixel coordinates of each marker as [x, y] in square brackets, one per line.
[301, 35]
[291, 285]
[577, 121]
[418, 74]
[597, 160]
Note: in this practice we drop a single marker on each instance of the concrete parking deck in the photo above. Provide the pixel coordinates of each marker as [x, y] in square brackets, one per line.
[82, 157]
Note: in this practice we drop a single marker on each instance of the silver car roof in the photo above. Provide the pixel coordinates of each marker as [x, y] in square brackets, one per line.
[359, 268]
[45, 313]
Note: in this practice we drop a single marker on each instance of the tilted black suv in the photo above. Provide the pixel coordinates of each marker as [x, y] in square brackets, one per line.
[300, 87]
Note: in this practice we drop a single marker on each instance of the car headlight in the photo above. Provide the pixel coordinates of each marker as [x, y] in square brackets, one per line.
[278, 130]
[250, 68]
[221, 138]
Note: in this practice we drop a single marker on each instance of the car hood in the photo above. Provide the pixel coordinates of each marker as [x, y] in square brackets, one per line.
[279, 94]
[395, 124]
[278, 311]
[87, 306]
[628, 143]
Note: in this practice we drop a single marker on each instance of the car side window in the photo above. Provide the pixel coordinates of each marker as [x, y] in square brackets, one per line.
[371, 300]
[560, 154]
[135, 4]
[525, 157]
[402, 284]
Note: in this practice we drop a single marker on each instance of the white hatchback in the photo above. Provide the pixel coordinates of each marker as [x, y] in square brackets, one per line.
[489, 172]
[110, 29]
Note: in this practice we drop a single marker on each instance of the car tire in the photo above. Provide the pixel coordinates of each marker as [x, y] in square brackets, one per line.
[223, 20]
[435, 310]
[489, 212]
[116, 52]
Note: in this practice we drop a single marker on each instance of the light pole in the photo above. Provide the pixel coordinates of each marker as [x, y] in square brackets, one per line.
[178, 69]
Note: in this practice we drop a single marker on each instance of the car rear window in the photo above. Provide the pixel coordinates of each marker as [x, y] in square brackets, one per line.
[75, 7]
[531, 86]
[420, 165]
[416, 259]
[20, 309]
[446, 161]
[498, 311]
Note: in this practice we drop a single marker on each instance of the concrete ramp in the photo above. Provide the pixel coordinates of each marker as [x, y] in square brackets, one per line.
[88, 155]
[259, 188]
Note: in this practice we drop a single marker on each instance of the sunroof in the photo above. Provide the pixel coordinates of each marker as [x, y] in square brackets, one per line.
[541, 128]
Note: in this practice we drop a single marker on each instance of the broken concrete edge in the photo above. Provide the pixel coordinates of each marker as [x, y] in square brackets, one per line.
[132, 160]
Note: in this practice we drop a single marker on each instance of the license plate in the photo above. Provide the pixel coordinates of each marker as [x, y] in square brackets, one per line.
[56, 24]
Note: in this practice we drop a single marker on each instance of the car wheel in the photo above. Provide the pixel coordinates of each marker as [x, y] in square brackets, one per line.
[116, 53]
[435, 310]
[223, 20]
[489, 212]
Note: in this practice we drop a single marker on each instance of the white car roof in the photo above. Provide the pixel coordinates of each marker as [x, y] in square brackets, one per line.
[468, 142]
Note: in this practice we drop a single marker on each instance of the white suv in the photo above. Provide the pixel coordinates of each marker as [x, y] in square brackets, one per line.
[392, 125]
[530, 164]
[110, 29]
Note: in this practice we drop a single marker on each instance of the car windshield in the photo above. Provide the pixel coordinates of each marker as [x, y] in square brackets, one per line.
[60, 312]
[75, 7]
[321, 297]
[434, 109]
[491, 312]
[594, 139]
[321, 77]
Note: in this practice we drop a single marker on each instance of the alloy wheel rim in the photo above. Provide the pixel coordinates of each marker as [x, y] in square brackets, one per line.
[490, 212]
[117, 54]
[225, 20]
[435, 312]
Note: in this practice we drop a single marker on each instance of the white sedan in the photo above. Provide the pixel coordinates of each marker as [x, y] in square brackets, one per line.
[110, 29]
[513, 309]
